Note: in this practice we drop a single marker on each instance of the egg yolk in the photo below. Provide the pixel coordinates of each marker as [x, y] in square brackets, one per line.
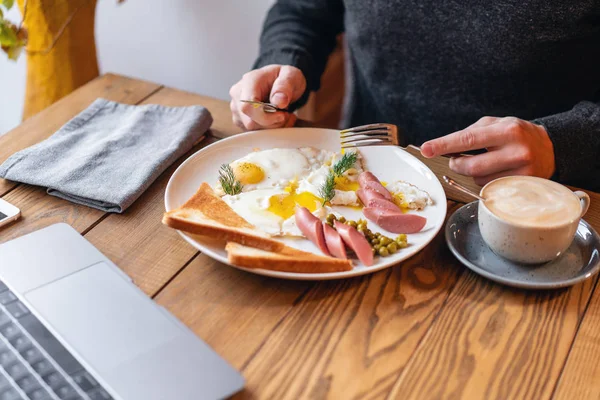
[248, 173]
[345, 184]
[284, 205]
[399, 201]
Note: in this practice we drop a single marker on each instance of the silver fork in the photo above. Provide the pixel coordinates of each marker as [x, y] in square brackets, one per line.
[376, 135]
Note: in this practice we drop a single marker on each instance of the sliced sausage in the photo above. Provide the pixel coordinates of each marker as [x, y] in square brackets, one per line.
[372, 213]
[334, 242]
[365, 177]
[311, 227]
[383, 203]
[356, 242]
[367, 180]
[366, 195]
[395, 222]
[378, 187]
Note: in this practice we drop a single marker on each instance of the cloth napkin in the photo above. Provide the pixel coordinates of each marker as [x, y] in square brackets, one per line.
[110, 153]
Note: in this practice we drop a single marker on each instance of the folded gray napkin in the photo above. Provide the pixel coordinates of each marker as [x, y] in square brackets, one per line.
[110, 153]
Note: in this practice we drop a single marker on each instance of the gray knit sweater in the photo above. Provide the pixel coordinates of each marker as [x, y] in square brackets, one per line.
[434, 67]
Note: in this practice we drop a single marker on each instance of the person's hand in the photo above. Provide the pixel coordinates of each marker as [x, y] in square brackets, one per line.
[514, 147]
[277, 84]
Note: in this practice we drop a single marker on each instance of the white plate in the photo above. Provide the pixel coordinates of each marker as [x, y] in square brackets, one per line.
[388, 163]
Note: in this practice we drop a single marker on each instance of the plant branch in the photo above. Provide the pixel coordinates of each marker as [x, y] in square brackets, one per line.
[24, 14]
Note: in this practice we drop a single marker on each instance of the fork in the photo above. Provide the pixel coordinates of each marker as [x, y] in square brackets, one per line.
[377, 135]
[267, 107]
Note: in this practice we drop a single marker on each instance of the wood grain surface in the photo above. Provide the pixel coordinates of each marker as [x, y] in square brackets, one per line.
[334, 332]
[495, 342]
[425, 329]
[39, 210]
[581, 376]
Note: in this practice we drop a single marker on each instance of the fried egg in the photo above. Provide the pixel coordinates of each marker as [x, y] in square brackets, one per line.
[408, 196]
[277, 181]
[345, 185]
[273, 210]
[276, 168]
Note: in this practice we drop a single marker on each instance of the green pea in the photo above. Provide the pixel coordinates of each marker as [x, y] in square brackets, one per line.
[392, 247]
[342, 219]
[362, 225]
[374, 252]
[383, 252]
[330, 218]
[352, 224]
[377, 247]
[401, 245]
[384, 241]
[374, 241]
[401, 238]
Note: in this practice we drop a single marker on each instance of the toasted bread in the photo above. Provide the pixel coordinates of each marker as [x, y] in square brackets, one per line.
[287, 259]
[206, 214]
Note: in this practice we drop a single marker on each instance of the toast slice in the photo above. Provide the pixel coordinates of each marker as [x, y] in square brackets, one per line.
[206, 214]
[287, 259]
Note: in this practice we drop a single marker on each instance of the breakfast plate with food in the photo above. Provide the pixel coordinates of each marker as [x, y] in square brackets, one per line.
[289, 203]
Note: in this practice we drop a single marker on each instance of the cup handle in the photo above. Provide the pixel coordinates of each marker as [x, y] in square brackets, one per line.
[584, 198]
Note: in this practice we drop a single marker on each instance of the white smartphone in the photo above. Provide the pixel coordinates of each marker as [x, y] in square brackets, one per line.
[8, 213]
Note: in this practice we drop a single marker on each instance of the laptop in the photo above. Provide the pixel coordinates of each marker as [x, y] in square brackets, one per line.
[74, 326]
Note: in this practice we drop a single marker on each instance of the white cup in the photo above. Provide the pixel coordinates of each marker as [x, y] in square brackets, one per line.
[524, 243]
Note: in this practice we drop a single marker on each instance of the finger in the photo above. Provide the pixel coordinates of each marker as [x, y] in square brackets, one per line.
[248, 123]
[291, 121]
[466, 140]
[235, 114]
[485, 121]
[484, 180]
[487, 163]
[262, 118]
[288, 87]
[255, 85]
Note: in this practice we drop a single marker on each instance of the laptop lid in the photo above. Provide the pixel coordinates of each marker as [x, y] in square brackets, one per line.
[134, 347]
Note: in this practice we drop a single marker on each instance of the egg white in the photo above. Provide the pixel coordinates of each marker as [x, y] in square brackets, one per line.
[253, 207]
[282, 166]
[316, 179]
[412, 196]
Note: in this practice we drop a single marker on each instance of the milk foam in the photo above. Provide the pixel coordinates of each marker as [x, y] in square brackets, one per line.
[531, 201]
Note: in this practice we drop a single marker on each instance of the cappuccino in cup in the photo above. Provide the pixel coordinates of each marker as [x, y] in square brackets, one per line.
[528, 219]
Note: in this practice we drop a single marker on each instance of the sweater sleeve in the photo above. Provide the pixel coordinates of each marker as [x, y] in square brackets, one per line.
[301, 33]
[575, 135]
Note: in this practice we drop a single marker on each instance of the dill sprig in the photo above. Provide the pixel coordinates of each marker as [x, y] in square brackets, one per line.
[327, 191]
[230, 185]
[345, 163]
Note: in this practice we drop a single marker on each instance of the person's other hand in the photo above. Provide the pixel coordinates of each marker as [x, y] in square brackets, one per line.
[277, 84]
[514, 147]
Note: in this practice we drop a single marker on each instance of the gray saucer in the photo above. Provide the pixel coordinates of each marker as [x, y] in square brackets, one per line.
[578, 263]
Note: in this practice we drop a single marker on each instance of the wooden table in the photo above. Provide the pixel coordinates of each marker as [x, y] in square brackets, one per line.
[428, 328]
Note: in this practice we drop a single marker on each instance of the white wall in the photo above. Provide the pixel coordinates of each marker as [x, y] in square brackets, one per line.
[198, 46]
[12, 85]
